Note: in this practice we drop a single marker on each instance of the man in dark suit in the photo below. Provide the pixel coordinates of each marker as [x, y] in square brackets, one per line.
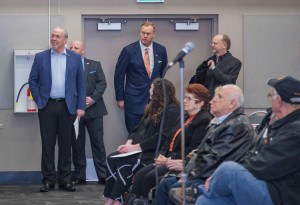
[57, 85]
[93, 119]
[221, 68]
[141, 62]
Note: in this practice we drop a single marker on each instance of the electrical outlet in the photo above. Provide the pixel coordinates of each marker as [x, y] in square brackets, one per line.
[1, 126]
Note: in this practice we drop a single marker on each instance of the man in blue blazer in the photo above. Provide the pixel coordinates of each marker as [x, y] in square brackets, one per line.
[141, 62]
[57, 85]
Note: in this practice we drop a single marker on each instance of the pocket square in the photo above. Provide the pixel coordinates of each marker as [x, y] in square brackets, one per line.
[159, 61]
[93, 72]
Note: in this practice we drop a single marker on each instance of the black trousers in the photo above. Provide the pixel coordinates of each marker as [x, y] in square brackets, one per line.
[56, 123]
[95, 130]
[119, 174]
[145, 179]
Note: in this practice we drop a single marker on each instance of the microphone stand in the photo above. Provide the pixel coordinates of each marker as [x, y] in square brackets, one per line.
[183, 175]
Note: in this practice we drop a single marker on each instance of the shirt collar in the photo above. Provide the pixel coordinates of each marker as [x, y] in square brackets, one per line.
[64, 52]
[144, 47]
[219, 120]
[222, 56]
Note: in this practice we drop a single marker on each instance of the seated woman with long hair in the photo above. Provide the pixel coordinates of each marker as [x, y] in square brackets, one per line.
[197, 117]
[144, 138]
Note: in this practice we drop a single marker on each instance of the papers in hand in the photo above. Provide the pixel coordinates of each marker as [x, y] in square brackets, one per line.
[126, 154]
[76, 127]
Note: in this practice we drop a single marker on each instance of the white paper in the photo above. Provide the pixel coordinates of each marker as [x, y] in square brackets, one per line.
[76, 127]
[126, 154]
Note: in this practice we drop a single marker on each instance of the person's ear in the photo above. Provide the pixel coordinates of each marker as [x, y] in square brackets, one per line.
[280, 101]
[232, 104]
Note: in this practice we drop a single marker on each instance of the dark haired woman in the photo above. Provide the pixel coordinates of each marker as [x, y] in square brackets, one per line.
[197, 117]
[144, 138]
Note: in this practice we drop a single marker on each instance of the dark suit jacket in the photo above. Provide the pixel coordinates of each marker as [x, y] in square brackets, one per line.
[95, 87]
[131, 64]
[226, 72]
[40, 80]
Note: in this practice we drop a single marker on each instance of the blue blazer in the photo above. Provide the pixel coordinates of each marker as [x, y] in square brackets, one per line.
[40, 81]
[131, 64]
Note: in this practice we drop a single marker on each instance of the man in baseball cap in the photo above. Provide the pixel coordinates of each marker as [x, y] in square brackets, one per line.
[288, 88]
[270, 175]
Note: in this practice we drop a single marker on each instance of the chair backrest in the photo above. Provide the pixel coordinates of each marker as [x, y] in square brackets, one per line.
[257, 117]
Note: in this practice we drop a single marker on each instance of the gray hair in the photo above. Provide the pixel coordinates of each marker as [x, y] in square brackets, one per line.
[65, 32]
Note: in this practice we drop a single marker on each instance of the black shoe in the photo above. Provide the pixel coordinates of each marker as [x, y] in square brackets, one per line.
[67, 187]
[102, 181]
[79, 182]
[47, 187]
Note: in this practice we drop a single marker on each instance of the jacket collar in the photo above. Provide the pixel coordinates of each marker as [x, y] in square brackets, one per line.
[293, 116]
[238, 111]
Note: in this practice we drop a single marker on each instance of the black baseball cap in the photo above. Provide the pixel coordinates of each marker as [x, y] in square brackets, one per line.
[288, 88]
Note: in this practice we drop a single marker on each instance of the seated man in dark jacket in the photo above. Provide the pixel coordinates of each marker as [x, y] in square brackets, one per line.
[271, 176]
[229, 136]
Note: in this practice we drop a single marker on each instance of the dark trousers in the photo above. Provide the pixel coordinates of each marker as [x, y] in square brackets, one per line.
[132, 120]
[56, 122]
[145, 179]
[119, 174]
[95, 130]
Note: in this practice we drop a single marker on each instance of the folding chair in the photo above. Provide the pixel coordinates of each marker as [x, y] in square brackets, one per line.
[257, 117]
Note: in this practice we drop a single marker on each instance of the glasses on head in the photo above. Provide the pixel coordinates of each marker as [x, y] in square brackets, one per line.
[190, 98]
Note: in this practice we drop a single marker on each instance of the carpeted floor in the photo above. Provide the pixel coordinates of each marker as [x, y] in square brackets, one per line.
[27, 194]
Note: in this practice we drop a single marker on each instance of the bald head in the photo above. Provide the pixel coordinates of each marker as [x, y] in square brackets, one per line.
[77, 46]
[235, 93]
[227, 99]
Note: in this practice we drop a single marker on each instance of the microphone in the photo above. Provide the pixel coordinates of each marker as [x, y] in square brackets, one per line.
[188, 47]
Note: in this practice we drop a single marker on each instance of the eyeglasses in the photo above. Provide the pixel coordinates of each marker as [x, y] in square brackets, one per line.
[189, 98]
[213, 44]
[272, 97]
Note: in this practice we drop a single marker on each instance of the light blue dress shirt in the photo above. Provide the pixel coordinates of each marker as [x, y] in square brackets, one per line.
[58, 72]
[82, 60]
[221, 119]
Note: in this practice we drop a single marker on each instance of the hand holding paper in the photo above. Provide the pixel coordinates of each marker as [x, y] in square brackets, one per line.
[129, 148]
